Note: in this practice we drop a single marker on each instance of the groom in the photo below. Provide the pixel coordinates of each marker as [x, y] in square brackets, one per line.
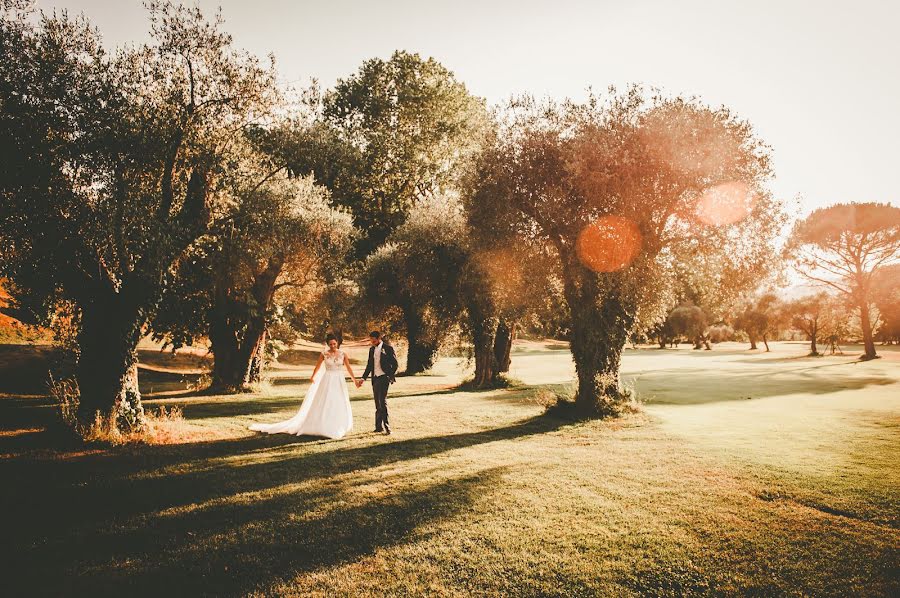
[383, 367]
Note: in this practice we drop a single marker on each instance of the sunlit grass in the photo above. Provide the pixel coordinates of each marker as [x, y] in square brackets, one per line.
[705, 492]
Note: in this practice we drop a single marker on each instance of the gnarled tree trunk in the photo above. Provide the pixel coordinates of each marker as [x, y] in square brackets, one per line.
[237, 356]
[701, 342]
[865, 320]
[600, 325]
[485, 366]
[107, 364]
[506, 334]
[484, 330]
[258, 361]
[238, 343]
[423, 348]
[113, 314]
[225, 346]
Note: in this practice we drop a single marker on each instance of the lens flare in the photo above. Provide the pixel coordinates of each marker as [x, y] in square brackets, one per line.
[608, 244]
[725, 204]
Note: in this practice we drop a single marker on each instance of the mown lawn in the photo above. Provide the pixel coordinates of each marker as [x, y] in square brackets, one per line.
[746, 473]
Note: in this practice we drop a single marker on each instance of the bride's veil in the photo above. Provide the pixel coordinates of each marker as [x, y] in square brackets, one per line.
[287, 425]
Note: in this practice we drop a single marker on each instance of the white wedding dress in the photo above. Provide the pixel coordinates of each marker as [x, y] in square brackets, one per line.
[325, 410]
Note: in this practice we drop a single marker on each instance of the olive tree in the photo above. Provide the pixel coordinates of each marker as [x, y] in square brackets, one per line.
[420, 273]
[806, 314]
[512, 276]
[401, 127]
[113, 164]
[392, 135]
[280, 246]
[886, 297]
[619, 187]
[689, 321]
[759, 318]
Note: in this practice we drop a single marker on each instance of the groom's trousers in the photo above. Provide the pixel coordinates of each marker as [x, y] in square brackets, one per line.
[380, 385]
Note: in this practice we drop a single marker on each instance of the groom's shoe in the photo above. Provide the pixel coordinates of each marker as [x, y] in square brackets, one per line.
[378, 430]
[387, 431]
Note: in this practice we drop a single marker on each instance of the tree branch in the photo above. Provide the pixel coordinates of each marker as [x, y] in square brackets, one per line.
[168, 195]
[119, 225]
[827, 282]
[267, 178]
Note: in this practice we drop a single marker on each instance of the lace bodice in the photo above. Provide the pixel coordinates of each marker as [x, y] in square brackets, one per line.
[333, 363]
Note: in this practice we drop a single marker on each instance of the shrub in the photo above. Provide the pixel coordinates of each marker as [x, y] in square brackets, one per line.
[720, 333]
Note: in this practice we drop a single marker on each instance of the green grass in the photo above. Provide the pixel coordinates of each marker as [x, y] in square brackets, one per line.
[746, 473]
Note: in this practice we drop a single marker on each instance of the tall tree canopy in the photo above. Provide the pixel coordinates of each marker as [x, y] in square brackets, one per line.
[619, 187]
[113, 164]
[843, 247]
[407, 124]
[395, 133]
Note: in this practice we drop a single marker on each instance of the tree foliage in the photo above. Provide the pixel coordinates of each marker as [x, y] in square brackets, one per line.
[807, 315]
[279, 248]
[760, 318]
[689, 321]
[420, 273]
[406, 124]
[843, 247]
[113, 164]
[513, 276]
[616, 186]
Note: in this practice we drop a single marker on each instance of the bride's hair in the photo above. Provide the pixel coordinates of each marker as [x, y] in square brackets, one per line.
[332, 337]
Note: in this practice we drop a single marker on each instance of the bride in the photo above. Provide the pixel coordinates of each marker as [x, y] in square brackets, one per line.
[326, 409]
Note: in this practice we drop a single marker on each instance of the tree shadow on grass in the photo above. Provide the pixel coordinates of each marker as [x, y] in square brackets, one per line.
[65, 503]
[816, 361]
[440, 392]
[236, 547]
[194, 408]
[24, 368]
[25, 439]
[156, 381]
[25, 411]
[712, 385]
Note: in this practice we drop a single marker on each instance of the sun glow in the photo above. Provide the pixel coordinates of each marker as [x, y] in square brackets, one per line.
[725, 204]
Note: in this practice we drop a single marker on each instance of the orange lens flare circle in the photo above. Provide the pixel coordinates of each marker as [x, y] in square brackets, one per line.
[725, 204]
[609, 243]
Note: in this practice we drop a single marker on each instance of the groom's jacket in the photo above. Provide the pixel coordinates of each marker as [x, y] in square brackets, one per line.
[388, 362]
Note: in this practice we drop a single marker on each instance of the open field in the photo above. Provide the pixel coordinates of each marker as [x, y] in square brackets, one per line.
[746, 473]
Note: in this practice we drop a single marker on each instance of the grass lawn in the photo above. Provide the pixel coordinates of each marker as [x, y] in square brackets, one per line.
[746, 473]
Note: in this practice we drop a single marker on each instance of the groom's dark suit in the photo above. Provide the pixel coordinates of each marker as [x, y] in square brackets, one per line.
[380, 384]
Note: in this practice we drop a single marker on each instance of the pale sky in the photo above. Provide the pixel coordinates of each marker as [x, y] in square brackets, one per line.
[819, 80]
